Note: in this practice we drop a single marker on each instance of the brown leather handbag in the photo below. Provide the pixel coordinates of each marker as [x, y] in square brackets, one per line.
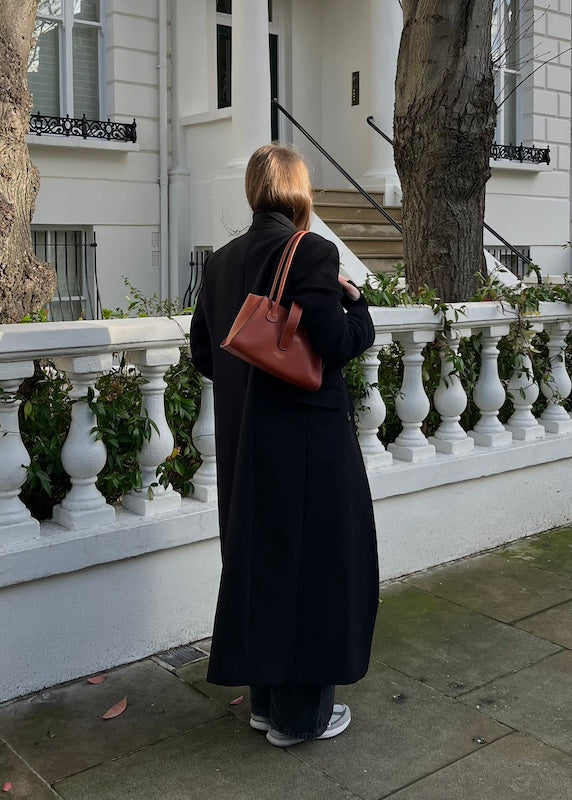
[268, 336]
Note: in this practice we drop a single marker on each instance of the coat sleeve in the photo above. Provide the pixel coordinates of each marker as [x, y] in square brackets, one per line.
[201, 346]
[336, 335]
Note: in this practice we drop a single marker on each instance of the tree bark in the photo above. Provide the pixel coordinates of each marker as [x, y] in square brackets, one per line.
[444, 126]
[26, 284]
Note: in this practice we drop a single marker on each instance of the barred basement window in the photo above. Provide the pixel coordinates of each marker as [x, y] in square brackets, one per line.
[64, 68]
[72, 253]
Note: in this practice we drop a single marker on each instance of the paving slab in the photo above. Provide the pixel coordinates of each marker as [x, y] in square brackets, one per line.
[514, 768]
[223, 760]
[400, 731]
[446, 645]
[60, 731]
[26, 785]
[536, 700]
[551, 551]
[554, 624]
[502, 588]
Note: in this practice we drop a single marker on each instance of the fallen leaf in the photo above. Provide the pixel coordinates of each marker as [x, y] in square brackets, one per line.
[7, 787]
[116, 710]
[237, 701]
[96, 679]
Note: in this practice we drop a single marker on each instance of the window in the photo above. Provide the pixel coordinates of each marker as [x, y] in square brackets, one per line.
[506, 38]
[65, 63]
[72, 254]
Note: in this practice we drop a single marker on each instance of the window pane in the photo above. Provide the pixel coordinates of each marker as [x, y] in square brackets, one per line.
[224, 6]
[511, 43]
[44, 68]
[87, 9]
[50, 8]
[86, 71]
[269, 10]
[508, 108]
[223, 59]
[67, 259]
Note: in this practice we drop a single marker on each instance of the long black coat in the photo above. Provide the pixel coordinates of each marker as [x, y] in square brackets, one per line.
[299, 586]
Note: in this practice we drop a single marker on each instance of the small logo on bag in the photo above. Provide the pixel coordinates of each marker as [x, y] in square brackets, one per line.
[276, 354]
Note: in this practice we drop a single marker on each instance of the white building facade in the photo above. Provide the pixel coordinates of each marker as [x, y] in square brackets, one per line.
[198, 77]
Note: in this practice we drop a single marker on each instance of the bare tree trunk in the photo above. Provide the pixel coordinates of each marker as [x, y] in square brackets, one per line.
[444, 127]
[26, 284]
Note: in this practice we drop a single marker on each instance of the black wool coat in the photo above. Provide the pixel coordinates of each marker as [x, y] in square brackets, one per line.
[299, 586]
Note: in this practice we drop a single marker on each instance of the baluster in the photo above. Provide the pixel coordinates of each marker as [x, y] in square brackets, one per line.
[556, 387]
[523, 391]
[204, 479]
[16, 522]
[450, 400]
[152, 497]
[83, 456]
[489, 394]
[412, 403]
[371, 411]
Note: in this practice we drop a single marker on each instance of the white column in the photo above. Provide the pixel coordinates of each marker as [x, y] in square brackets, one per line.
[371, 411]
[450, 400]
[204, 479]
[152, 497]
[412, 403]
[489, 394]
[385, 33]
[250, 115]
[556, 387]
[16, 523]
[83, 456]
[523, 392]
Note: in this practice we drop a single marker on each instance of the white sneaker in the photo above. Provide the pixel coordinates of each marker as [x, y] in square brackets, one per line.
[339, 721]
[259, 723]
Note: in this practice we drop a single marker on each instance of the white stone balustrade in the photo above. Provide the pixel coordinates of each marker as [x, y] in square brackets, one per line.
[556, 385]
[16, 523]
[489, 393]
[204, 479]
[83, 455]
[371, 411]
[450, 400]
[523, 391]
[152, 497]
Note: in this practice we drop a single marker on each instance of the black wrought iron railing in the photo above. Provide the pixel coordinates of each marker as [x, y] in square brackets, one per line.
[42, 124]
[518, 262]
[513, 152]
[338, 166]
[196, 272]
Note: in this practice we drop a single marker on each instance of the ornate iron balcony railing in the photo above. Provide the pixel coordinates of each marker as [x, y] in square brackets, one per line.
[513, 152]
[85, 128]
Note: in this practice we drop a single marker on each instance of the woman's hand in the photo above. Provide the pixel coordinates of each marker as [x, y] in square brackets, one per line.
[352, 292]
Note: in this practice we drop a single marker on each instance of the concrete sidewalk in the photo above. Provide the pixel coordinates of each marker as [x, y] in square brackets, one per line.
[468, 696]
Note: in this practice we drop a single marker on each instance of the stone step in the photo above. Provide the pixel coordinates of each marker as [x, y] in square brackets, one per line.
[377, 263]
[349, 213]
[345, 196]
[363, 245]
[349, 229]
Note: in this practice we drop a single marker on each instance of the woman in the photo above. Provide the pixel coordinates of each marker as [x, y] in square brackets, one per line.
[299, 585]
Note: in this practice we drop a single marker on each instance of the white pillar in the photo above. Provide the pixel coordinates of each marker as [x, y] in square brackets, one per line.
[489, 393]
[556, 386]
[16, 522]
[450, 400]
[385, 33]
[371, 411]
[523, 392]
[204, 479]
[412, 403]
[250, 115]
[152, 497]
[83, 456]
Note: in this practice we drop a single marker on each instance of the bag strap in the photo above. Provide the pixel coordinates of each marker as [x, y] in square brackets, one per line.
[284, 265]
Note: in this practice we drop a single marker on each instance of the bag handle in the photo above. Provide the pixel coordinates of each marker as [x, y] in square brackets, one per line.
[284, 265]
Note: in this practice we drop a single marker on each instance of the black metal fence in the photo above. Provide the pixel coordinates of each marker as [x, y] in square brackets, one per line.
[513, 152]
[86, 128]
[196, 268]
[511, 260]
[73, 254]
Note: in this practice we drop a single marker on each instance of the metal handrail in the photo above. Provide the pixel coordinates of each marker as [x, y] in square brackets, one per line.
[332, 161]
[513, 249]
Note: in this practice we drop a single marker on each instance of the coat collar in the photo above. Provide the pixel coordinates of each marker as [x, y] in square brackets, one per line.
[271, 219]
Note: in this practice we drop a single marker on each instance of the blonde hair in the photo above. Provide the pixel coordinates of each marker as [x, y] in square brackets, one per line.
[277, 179]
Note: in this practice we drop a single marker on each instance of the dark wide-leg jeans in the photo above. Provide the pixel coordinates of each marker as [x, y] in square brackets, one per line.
[302, 712]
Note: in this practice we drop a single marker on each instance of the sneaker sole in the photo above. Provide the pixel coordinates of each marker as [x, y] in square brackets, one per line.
[328, 734]
[259, 725]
